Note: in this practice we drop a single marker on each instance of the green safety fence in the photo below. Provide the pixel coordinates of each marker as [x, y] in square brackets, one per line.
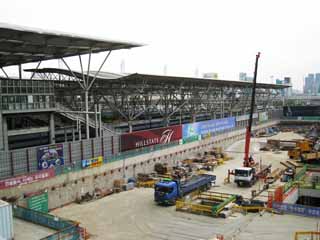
[66, 229]
[297, 177]
[69, 233]
[41, 218]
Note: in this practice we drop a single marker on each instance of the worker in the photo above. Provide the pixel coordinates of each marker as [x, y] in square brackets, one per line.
[251, 160]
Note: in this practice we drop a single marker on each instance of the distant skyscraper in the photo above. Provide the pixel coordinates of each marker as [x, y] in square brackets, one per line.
[287, 91]
[165, 69]
[310, 86]
[123, 66]
[317, 83]
[242, 76]
[196, 72]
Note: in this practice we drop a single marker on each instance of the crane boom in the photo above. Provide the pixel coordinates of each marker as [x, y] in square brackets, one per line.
[246, 162]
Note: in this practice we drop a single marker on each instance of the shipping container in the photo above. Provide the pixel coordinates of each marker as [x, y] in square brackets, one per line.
[6, 221]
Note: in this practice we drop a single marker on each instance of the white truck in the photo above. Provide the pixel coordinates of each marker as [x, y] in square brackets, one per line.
[247, 176]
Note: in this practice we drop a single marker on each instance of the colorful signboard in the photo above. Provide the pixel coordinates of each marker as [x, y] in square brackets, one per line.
[206, 128]
[50, 156]
[150, 137]
[27, 179]
[92, 162]
[38, 202]
[191, 139]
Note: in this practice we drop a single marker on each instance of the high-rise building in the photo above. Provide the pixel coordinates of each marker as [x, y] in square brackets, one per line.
[312, 84]
[287, 91]
[244, 77]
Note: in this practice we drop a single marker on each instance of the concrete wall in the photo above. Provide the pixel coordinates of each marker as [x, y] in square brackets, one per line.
[65, 188]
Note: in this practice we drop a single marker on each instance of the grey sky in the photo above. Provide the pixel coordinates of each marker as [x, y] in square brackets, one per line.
[213, 36]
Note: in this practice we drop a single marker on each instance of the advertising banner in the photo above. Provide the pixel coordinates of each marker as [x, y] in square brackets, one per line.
[150, 137]
[38, 202]
[207, 127]
[92, 162]
[26, 179]
[263, 116]
[297, 209]
[50, 156]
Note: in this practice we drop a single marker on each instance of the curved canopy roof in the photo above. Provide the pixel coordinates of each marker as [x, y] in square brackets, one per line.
[20, 45]
[137, 77]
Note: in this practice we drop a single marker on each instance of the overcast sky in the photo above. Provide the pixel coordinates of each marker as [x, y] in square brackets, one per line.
[211, 36]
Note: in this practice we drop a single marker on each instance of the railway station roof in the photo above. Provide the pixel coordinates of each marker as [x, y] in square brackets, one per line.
[137, 77]
[19, 45]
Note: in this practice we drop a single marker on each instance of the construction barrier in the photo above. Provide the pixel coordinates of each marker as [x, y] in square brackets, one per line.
[68, 230]
[312, 235]
[193, 208]
[146, 184]
[297, 209]
[246, 209]
[297, 178]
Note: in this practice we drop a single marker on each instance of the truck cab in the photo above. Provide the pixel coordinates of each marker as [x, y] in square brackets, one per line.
[244, 176]
[166, 192]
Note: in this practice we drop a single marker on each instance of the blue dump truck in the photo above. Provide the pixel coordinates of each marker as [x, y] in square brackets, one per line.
[167, 191]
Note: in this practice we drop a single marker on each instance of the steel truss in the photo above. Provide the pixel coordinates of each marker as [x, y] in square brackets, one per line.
[137, 97]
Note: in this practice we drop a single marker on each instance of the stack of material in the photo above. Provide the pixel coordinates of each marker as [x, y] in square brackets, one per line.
[118, 185]
[161, 168]
[142, 177]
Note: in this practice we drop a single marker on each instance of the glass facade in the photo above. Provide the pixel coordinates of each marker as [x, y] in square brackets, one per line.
[26, 94]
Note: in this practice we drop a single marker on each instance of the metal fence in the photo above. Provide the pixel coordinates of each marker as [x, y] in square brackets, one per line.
[66, 229]
[25, 161]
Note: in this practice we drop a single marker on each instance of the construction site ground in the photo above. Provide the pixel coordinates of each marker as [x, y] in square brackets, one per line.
[134, 215]
[28, 231]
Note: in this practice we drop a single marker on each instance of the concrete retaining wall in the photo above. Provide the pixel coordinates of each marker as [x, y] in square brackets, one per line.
[65, 188]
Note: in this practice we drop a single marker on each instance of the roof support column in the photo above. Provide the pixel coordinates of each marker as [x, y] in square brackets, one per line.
[4, 126]
[1, 134]
[222, 104]
[86, 100]
[52, 129]
[20, 72]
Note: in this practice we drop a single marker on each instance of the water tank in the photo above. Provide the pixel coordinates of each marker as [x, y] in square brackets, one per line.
[6, 221]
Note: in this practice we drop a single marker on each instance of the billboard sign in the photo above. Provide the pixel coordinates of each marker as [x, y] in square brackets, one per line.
[206, 128]
[38, 202]
[27, 179]
[150, 137]
[50, 156]
[92, 162]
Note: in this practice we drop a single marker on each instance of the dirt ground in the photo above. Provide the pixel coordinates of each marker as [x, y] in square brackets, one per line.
[265, 157]
[28, 231]
[134, 215]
